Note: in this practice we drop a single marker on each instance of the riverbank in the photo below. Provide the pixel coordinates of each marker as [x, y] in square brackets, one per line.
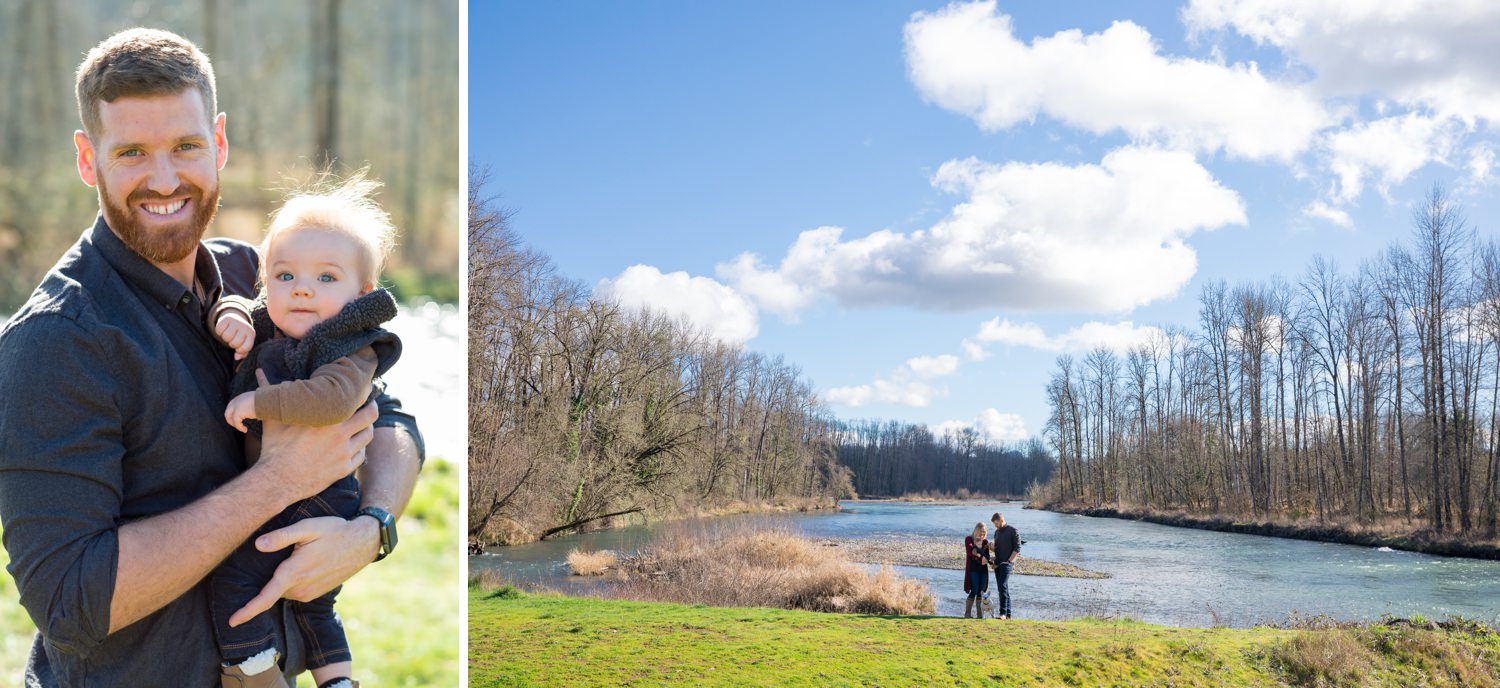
[521, 639]
[936, 553]
[504, 532]
[1423, 541]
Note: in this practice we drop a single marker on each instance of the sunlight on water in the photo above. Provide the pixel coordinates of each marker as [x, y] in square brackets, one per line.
[429, 378]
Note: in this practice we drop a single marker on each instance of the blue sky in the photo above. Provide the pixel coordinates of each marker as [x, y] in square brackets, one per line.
[923, 204]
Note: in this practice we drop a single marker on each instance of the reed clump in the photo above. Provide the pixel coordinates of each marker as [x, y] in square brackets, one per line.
[587, 563]
[749, 566]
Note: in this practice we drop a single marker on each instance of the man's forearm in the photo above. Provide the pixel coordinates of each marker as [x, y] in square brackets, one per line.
[390, 471]
[163, 556]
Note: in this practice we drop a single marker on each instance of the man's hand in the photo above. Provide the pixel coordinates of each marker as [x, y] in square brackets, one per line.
[236, 333]
[240, 408]
[304, 460]
[328, 550]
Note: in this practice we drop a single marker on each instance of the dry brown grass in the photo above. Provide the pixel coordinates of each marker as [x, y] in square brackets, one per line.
[747, 566]
[586, 563]
[1456, 652]
[1332, 657]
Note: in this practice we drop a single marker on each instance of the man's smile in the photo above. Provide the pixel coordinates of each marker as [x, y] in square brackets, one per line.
[163, 209]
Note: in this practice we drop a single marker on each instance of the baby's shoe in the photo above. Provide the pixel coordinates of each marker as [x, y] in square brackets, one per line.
[266, 676]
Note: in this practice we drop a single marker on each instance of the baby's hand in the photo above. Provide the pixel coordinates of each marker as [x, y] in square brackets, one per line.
[236, 333]
[240, 408]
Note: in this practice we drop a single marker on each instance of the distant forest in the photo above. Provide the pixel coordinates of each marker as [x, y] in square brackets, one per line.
[1365, 395]
[373, 82]
[894, 459]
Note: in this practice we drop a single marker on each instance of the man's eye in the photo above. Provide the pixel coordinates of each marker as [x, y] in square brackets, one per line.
[187, 146]
[131, 153]
[284, 276]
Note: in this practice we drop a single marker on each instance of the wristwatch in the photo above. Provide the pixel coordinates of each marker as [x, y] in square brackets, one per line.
[387, 529]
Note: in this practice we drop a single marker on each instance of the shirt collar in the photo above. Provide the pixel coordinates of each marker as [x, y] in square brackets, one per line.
[159, 286]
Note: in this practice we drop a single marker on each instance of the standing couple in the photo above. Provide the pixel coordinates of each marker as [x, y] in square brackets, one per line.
[981, 553]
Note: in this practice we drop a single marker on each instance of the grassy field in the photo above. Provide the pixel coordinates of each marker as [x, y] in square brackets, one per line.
[518, 639]
[402, 615]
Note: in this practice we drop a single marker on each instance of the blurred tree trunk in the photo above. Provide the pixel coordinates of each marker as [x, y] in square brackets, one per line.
[325, 38]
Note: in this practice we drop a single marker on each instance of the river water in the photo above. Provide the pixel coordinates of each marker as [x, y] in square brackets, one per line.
[1159, 574]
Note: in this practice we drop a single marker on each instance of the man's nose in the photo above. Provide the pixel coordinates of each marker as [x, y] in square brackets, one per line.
[163, 180]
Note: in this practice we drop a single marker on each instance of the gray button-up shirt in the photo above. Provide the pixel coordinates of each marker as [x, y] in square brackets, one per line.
[112, 396]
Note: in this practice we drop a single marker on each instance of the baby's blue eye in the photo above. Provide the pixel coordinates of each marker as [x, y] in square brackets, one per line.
[325, 277]
[284, 276]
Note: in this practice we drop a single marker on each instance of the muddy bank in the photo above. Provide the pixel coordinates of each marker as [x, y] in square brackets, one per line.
[936, 553]
[1424, 541]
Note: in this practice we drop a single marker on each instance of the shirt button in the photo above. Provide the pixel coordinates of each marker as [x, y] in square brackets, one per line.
[185, 298]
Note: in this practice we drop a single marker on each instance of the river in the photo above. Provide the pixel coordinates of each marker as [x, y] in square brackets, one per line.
[1159, 574]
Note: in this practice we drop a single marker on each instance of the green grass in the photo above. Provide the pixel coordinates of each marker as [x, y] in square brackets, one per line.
[543, 640]
[16, 629]
[402, 614]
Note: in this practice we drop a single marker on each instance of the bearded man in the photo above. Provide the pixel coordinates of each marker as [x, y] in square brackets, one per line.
[121, 486]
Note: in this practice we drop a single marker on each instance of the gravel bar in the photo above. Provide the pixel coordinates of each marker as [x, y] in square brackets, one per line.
[934, 553]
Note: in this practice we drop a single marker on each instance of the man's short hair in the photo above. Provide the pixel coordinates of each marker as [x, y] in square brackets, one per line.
[141, 63]
[995, 517]
[346, 206]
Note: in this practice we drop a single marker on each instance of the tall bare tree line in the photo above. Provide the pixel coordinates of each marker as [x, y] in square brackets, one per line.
[373, 82]
[580, 411]
[894, 459]
[1362, 396]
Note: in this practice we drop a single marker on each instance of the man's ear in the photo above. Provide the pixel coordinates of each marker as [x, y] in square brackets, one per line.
[85, 148]
[221, 142]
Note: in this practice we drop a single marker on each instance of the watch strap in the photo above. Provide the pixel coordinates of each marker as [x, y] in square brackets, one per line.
[387, 529]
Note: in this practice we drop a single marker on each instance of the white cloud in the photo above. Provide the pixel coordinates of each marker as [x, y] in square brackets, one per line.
[1119, 337]
[906, 386]
[1022, 238]
[1321, 210]
[995, 427]
[1437, 55]
[973, 350]
[933, 366]
[1481, 164]
[996, 330]
[715, 309]
[914, 393]
[770, 289]
[1387, 150]
[966, 58]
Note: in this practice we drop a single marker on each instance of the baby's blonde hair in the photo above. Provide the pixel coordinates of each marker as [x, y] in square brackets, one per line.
[346, 206]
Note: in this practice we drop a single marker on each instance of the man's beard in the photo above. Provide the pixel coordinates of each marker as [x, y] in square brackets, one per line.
[163, 244]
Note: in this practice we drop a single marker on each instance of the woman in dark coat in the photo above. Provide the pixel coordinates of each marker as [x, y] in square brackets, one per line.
[976, 571]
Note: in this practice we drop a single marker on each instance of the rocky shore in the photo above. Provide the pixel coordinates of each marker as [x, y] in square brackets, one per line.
[938, 553]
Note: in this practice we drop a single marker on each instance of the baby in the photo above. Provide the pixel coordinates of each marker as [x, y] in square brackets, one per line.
[314, 340]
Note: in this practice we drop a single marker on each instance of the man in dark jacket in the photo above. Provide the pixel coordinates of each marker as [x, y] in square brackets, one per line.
[1007, 546]
[121, 486]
